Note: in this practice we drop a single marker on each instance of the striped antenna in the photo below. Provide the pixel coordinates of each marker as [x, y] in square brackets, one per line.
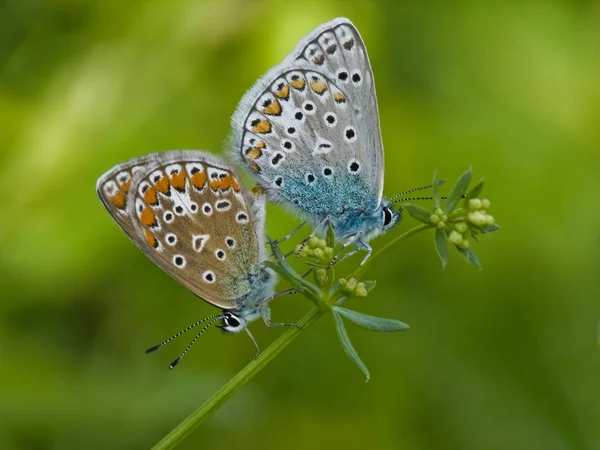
[429, 186]
[212, 322]
[156, 347]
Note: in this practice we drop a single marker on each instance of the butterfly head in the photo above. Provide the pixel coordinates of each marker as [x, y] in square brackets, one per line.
[386, 219]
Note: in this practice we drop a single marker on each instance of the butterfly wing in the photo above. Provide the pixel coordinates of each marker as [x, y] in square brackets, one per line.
[187, 211]
[309, 129]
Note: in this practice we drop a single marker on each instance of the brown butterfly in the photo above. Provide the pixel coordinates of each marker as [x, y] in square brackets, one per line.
[187, 211]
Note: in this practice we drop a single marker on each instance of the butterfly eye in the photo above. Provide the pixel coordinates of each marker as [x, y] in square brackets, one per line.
[232, 321]
[387, 216]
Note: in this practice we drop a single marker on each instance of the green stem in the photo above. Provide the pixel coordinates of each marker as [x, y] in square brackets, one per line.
[361, 269]
[179, 433]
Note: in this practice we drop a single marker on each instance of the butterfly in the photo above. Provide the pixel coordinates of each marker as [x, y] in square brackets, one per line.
[309, 132]
[187, 211]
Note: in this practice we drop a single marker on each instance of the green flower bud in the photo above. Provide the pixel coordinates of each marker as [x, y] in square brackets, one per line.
[313, 242]
[328, 251]
[464, 244]
[434, 219]
[318, 253]
[461, 227]
[485, 203]
[321, 276]
[322, 244]
[474, 204]
[489, 220]
[438, 211]
[441, 225]
[360, 290]
[477, 218]
[455, 237]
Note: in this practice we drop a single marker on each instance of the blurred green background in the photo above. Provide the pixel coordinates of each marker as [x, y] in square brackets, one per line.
[507, 358]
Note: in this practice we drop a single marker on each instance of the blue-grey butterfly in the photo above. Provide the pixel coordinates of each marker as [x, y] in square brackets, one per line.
[187, 211]
[309, 131]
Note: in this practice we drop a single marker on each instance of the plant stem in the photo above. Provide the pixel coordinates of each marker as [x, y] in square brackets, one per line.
[361, 269]
[179, 433]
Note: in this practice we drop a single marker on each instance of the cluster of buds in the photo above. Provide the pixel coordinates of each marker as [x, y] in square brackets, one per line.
[353, 288]
[316, 248]
[477, 213]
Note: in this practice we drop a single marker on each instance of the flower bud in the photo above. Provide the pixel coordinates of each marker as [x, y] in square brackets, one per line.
[318, 253]
[464, 244]
[313, 242]
[477, 218]
[321, 276]
[455, 237]
[328, 251]
[360, 290]
[322, 244]
[441, 225]
[485, 203]
[474, 204]
[434, 219]
[438, 211]
[489, 220]
[461, 227]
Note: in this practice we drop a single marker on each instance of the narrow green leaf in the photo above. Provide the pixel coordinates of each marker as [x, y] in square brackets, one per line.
[293, 278]
[369, 285]
[474, 193]
[371, 322]
[418, 212]
[347, 345]
[330, 237]
[435, 186]
[458, 190]
[470, 256]
[440, 246]
[493, 227]
[315, 263]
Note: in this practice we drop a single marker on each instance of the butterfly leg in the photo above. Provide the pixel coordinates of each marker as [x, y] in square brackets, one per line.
[289, 235]
[336, 259]
[255, 343]
[282, 324]
[366, 247]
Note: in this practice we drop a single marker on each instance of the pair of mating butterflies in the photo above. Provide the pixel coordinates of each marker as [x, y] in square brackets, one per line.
[309, 133]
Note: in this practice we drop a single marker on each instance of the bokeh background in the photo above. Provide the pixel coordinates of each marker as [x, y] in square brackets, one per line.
[507, 358]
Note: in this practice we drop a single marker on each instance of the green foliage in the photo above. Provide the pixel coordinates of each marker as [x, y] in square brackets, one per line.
[85, 85]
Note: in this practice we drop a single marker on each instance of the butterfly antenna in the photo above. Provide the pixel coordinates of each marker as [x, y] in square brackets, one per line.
[212, 322]
[410, 199]
[156, 347]
[429, 186]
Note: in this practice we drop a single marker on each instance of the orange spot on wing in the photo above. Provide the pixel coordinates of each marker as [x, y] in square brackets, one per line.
[198, 179]
[214, 183]
[150, 196]
[339, 98]
[163, 185]
[235, 185]
[178, 181]
[283, 93]
[255, 167]
[125, 186]
[254, 153]
[260, 144]
[264, 126]
[274, 108]
[119, 200]
[298, 84]
[151, 239]
[148, 217]
[318, 87]
[226, 182]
